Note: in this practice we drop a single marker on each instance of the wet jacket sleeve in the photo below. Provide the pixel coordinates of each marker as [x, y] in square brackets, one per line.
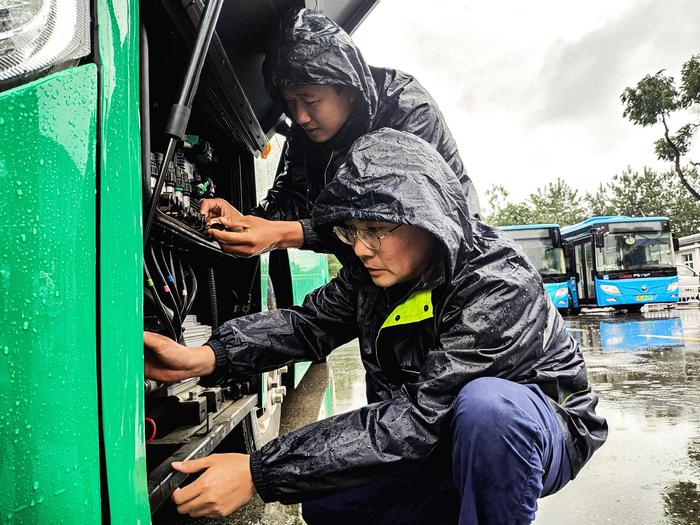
[287, 199]
[268, 340]
[384, 438]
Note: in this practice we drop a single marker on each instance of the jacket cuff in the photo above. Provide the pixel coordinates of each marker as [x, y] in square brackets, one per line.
[312, 241]
[256, 471]
[220, 363]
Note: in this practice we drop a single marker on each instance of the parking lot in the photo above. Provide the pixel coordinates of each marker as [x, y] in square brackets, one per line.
[646, 370]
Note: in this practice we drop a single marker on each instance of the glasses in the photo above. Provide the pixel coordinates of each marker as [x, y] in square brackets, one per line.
[367, 237]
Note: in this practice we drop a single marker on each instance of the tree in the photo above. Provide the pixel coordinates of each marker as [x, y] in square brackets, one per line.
[559, 203]
[505, 213]
[599, 203]
[654, 99]
[633, 193]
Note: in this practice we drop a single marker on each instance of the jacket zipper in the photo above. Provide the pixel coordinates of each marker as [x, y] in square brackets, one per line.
[325, 181]
[325, 172]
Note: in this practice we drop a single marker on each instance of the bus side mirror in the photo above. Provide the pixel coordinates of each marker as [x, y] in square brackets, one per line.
[567, 250]
[599, 239]
[676, 244]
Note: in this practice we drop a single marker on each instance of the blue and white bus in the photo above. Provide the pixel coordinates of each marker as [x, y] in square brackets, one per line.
[542, 245]
[623, 262]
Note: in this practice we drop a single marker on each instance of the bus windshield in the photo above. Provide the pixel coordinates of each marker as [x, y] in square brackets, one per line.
[539, 249]
[635, 250]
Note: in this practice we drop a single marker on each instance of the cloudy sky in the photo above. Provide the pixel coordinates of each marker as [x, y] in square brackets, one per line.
[531, 89]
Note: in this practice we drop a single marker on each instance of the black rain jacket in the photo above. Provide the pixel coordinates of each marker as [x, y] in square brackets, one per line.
[479, 310]
[312, 49]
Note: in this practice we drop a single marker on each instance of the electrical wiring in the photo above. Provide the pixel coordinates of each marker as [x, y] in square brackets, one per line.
[164, 317]
[168, 295]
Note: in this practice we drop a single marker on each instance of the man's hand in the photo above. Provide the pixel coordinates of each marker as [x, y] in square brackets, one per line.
[248, 235]
[214, 208]
[225, 486]
[166, 360]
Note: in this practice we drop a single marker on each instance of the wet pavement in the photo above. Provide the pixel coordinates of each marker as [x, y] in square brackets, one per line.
[645, 368]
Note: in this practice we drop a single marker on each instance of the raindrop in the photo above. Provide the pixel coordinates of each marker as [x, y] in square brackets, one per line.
[19, 191]
[22, 236]
[25, 325]
[6, 350]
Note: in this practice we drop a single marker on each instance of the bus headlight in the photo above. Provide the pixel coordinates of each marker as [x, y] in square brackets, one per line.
[561, 292]
[36, 35]
[672, 287]
[610, 288]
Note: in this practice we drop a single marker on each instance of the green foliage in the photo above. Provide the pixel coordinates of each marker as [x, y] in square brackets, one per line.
[646, 194]
[556, 202]
[504, 212]
[598, 203]
[690, 82]
[654, 99]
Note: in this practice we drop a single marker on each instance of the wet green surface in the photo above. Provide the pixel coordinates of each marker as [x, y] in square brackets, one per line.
[48, 384]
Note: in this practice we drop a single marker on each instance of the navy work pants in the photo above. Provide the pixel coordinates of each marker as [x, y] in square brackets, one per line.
[507, 450]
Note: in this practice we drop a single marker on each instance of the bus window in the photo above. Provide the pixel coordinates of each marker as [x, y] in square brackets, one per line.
[635, 251]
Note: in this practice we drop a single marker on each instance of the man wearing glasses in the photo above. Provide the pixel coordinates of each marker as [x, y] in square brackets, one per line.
[478, 398]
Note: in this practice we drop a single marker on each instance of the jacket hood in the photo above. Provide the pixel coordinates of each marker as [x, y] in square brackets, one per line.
[312, 49]
[397, 177]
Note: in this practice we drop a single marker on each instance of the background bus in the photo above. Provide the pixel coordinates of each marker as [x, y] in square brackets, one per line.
[542, 244]
[623, 262]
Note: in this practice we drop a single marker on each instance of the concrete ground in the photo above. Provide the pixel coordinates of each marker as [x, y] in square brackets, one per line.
[646, 370]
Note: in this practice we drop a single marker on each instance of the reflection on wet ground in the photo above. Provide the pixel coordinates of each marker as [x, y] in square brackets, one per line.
[646, 370]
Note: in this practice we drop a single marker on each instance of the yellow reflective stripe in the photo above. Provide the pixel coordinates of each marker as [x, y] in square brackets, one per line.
[416, 308]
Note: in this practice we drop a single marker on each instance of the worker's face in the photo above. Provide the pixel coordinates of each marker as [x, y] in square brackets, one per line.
[320, 110]
[404, 254]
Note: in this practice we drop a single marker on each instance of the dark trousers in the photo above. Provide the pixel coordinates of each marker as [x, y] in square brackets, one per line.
[507, 450]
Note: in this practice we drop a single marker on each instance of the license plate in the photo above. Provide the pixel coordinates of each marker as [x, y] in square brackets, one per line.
[645, 297]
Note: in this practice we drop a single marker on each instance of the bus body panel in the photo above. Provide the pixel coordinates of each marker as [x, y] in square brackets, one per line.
[541, 244]
[623, 261]
[637, 291]
[558, 293]
[120, 261]
[49, 444]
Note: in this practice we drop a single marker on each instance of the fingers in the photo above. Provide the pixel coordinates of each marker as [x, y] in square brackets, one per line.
[194, 489]
[193, 465]
[198, 507]
[238, 224]
[217, 207]
[210, 207]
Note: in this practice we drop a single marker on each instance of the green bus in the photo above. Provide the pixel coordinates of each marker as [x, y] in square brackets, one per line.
[116, 117]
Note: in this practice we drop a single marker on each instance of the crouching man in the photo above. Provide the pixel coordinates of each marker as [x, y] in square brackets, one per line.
[478, 399]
